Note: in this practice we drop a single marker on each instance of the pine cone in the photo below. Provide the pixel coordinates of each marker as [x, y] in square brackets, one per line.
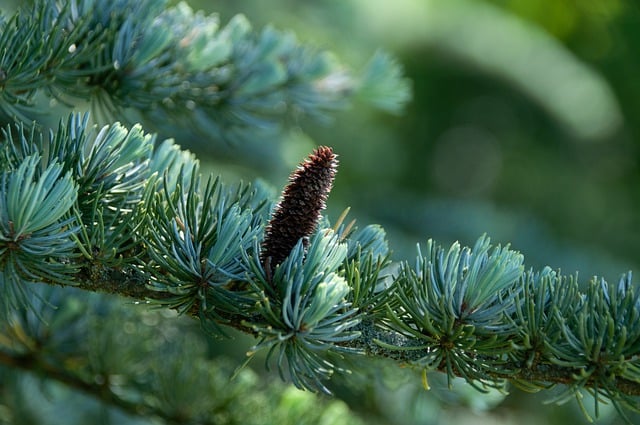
[298, 212]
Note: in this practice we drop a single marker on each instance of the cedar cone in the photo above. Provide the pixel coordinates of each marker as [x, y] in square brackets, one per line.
[298, 212]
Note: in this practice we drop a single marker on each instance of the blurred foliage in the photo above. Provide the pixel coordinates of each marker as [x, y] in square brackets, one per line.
[482, 146]
[522, 125]
[142, 383]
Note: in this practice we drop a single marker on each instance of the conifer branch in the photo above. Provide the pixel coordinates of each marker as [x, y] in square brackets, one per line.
[111, 210]
[99, 390]
[81, 345]
[172, 65]
[170, 240]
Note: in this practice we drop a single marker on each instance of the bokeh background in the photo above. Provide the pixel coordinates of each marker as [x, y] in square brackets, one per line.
[524, 125]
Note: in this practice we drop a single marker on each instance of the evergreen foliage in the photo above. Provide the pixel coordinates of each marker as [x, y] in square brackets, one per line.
[171, 65]
[133, 360]
[112, 210]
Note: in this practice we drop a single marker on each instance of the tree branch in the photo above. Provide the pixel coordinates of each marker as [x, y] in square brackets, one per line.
[99, 389]
[131, 283]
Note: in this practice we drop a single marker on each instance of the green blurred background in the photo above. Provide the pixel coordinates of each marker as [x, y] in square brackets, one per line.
[523, 125]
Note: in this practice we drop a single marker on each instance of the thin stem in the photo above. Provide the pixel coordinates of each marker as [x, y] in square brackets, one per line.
[98, 389]
[130, 282]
